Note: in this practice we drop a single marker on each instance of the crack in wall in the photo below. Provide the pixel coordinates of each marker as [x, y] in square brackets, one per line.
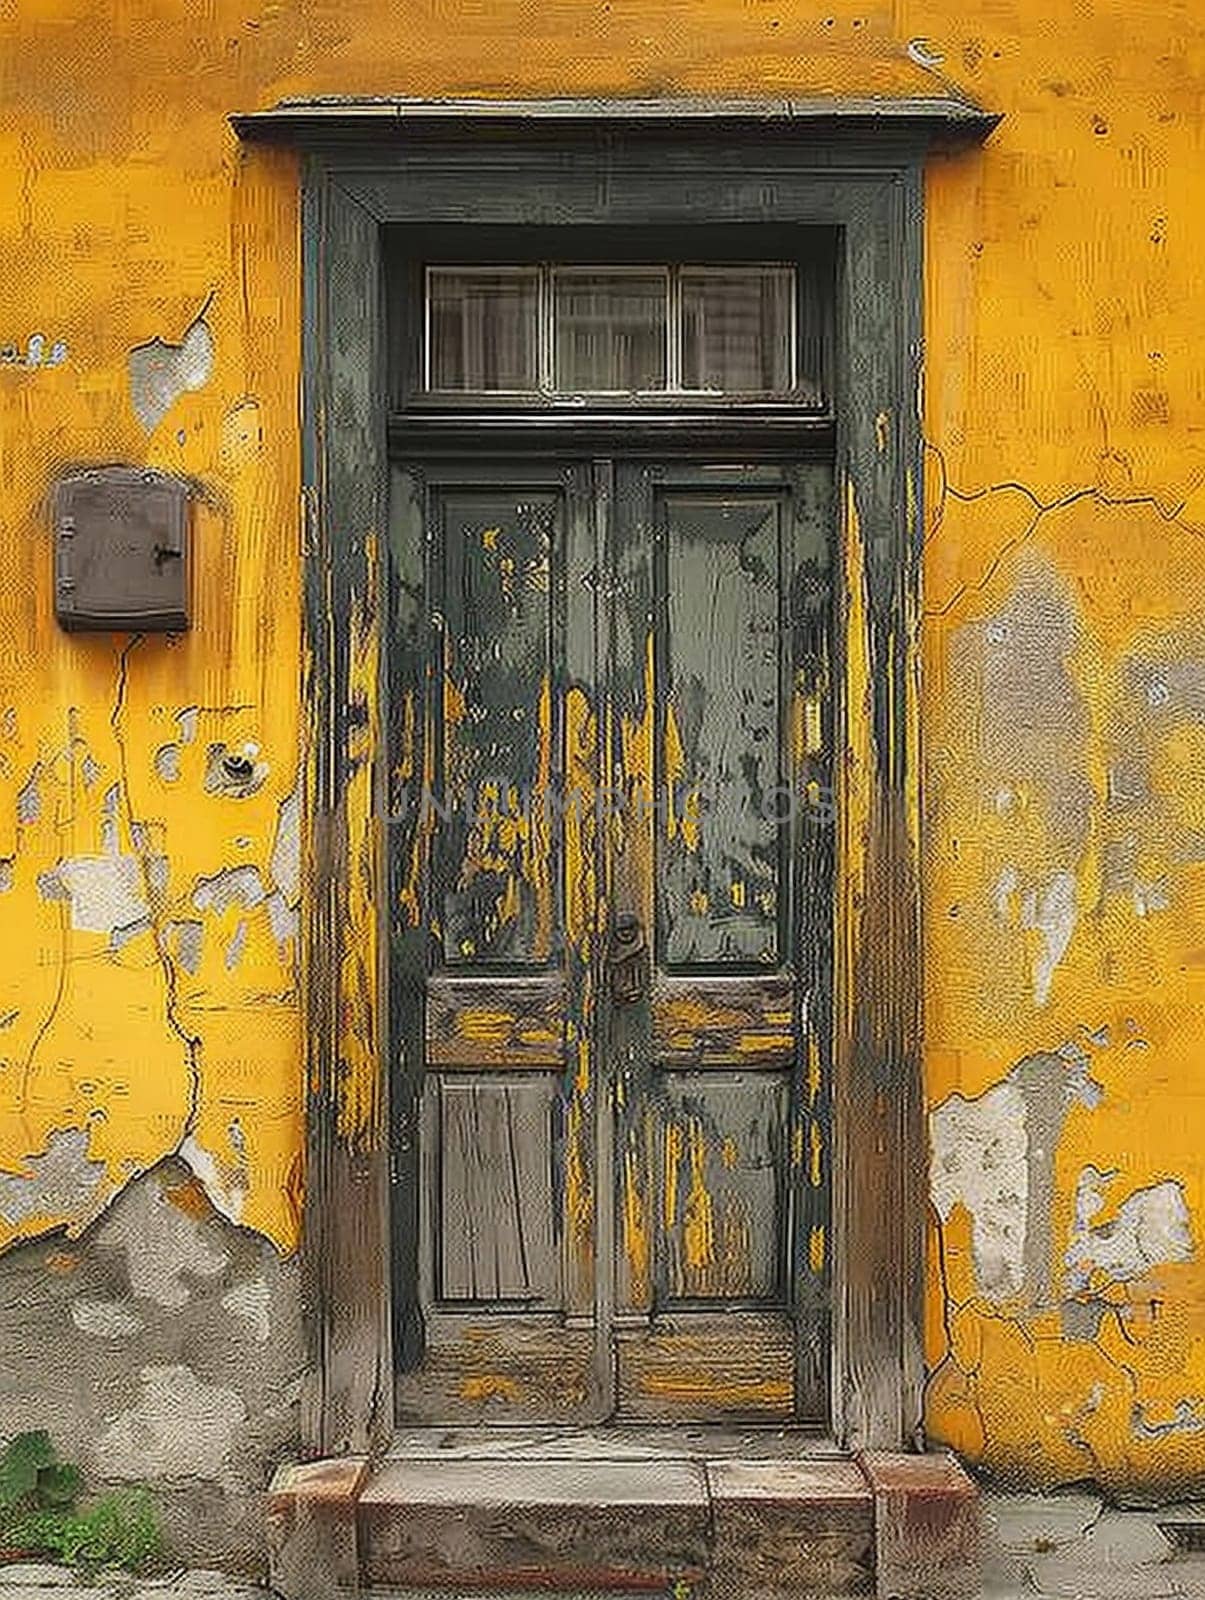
[29, 809]
[1169, 513]
[153, 891]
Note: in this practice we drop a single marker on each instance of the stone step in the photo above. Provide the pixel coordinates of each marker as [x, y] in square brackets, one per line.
[756, 1527]
[569, 1525]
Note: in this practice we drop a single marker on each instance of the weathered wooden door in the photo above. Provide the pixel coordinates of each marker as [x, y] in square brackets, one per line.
[611, 890]
[718, 690]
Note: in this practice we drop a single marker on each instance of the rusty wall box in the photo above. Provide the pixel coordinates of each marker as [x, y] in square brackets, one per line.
[121, 550]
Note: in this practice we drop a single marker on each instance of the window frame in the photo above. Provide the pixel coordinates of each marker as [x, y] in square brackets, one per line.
[548, 392]
[407, 254]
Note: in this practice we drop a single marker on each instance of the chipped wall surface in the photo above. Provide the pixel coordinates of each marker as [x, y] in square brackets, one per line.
[166, 1346]
[149, 867]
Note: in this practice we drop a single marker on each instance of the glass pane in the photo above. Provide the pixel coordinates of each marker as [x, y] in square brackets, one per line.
[483, 329]
[737, 329]
[611, 331]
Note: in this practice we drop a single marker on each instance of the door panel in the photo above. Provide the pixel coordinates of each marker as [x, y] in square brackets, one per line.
[495, 1241]
[721, 1113]
[610, 691]
[499, 724]
[719, 709]
[722, 1150]
[496, 1128]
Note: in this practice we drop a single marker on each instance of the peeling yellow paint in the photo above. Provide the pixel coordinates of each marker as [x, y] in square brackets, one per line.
[359, 1106]
[698, 1215]
[637, 1243]
[481, 1387]
[1061, 383]
[707, 1390]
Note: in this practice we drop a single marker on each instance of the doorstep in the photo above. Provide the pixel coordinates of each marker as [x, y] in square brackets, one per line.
[759, 1513]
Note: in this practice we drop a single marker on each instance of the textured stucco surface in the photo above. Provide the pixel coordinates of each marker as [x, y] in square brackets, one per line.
[149, 866]
[165, 1348]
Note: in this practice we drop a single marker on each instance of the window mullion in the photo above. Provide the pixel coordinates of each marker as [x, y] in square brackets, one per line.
[546, 332]
[673, 332]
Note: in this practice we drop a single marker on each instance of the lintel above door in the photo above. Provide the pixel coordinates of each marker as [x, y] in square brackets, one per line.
[349, 120]
[851, 166]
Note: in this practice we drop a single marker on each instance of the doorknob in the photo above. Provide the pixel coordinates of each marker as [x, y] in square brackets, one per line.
[628, 960]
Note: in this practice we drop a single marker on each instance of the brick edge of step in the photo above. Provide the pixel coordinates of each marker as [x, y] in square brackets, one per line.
[926, 1525]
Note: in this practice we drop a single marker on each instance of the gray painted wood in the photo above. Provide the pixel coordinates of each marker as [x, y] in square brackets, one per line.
[718, 1160]
[879, 1150]
[707, 1366]
[491, 1001]
[868, 187]
[720, 751]
[723, 1174]
[498, 549]
[496, 1190]
[345, 1224]
[351, 116]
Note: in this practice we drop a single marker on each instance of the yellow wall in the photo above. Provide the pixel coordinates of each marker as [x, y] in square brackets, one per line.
[1064, 670]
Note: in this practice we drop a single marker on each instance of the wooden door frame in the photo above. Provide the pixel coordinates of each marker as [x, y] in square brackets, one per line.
[853, 166]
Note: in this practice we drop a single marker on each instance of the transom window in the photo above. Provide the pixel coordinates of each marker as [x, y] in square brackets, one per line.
[561, 330]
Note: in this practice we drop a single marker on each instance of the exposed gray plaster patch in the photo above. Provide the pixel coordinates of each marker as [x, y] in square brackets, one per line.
[39, 352]
[1151, 897]
[1007, 885]
[252, 1300]
[187, 937]
[1151, 1228]
[1033, 720]
[227, 1191]
[1172, 690]
[62, 1181]
[283, 920]
[29, 797]
[1050, 912]
[110, 841]
[160, 372]
[285, 862]
[167, 763]
[105, 1319]
[189, 719]
[1080, 1320]
[180, 1427]
[90, 770]
[979, 1161]
[7, 873]
[1188, 1416]
[994, 1154]
[236, 944]
[77, 1383]
[233, 886]
[105, 892]
[164, 1246]
[1026, 757]
[158, 872]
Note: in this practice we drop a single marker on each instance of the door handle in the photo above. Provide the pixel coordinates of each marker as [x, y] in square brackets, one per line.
[628, 961]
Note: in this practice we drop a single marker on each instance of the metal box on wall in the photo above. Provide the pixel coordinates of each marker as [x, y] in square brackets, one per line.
[121, 538]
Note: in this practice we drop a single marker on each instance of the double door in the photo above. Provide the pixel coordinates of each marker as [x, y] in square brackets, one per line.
[610, 898]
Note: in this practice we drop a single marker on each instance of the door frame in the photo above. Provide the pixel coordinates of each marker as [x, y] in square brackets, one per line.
[856, 167]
